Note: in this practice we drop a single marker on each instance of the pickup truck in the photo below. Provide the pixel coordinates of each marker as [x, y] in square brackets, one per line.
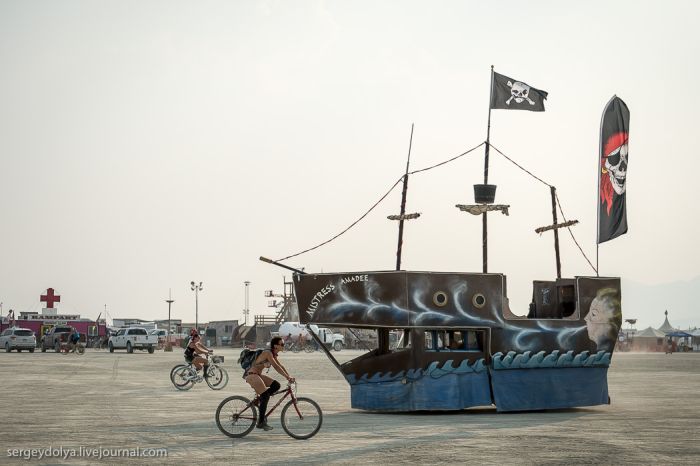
[330, 339]
[55, 336]
[296, 330]
[133, 338]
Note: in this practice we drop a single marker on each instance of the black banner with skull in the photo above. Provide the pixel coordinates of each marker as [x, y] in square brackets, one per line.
[614, 135]
[510, 94]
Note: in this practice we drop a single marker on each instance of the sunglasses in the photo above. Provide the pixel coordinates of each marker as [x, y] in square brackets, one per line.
[280, 344]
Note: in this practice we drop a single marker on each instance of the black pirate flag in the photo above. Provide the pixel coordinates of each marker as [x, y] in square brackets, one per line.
[509, 94]
[612, 172]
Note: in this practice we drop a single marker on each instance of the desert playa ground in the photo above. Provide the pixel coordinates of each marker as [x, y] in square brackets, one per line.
[126, 401]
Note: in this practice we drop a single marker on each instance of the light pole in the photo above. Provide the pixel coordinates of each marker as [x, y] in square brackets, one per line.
[246, 311]
[196, 288]
[170, 300]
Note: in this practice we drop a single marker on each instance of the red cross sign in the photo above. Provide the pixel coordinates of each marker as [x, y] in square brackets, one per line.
[50, 298]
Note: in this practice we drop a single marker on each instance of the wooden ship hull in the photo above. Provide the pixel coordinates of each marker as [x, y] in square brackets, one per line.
[461, 345]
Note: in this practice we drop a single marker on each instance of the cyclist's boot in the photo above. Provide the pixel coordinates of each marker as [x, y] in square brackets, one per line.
[206, 371]
[274, 386]
[265, 426]
[262, 421]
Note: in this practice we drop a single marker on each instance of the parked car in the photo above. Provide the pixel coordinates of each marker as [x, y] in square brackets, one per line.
[133, 338]
[162, 335]
[159, 332]
[55, 337]
[16, 338]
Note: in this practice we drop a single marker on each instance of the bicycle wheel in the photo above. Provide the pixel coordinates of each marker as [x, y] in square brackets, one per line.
[217, 378]
[236, 416]
[181, 377]
[177, 366]
[80, 349]
[309, 349]
[172, 371]
[303, 419]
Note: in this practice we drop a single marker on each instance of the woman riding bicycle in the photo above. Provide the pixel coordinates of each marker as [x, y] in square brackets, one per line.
[263, 385]
[194, 349]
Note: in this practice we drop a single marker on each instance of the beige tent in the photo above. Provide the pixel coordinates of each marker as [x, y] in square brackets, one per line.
[666, 327]
[649, 339]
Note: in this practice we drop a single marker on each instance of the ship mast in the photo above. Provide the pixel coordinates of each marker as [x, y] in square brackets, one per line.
[383, 333]
[403, 216]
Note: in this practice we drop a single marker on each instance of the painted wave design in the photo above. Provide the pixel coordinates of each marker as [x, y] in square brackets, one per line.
[421, 312]
[527, 360]
[411, 375]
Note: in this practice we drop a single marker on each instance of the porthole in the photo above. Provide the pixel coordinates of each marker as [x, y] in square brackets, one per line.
[479, 300]
[440, 298]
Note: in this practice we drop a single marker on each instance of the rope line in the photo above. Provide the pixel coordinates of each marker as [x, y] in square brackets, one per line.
[380, 200]
[572, 235]
[558, 204]
[348, 228]
[447, 161]
[519, 166]
[561, 210]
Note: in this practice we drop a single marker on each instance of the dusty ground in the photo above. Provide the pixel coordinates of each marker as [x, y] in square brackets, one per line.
[110, 401]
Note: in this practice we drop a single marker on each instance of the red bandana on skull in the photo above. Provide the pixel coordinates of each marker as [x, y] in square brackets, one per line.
[614, 164]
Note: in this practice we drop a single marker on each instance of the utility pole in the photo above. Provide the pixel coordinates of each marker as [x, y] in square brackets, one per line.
[246, 311]
[196, 288]
[170, 301]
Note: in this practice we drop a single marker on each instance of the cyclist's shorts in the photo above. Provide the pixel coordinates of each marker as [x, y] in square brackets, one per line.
[189, 359]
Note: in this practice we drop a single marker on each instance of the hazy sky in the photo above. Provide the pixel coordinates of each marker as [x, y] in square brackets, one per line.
[145, 144]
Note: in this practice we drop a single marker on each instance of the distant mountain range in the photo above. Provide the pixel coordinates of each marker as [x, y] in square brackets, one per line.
[647, 303]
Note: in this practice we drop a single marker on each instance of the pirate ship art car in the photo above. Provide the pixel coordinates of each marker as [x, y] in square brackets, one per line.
[461, 345]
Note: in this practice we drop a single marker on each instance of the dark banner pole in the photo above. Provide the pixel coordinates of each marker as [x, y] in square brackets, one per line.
[484, 231]
[403, 204]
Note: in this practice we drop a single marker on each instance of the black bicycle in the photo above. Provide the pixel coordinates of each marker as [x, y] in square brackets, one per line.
[302, 417]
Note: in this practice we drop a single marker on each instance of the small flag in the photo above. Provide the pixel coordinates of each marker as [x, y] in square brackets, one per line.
[510, 94]
[612, 171]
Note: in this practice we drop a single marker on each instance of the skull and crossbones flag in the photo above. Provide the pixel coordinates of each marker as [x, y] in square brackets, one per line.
[509, 94]
[612, 170]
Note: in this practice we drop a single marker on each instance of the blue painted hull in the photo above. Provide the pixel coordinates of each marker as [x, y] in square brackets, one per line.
[428, 393]
[535, 389]
[512, 382]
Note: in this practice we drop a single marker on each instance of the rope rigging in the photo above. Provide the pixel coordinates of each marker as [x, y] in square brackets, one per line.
[380, 200]
[569, 224]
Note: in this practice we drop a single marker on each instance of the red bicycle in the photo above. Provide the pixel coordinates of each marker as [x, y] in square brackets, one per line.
[301, 417]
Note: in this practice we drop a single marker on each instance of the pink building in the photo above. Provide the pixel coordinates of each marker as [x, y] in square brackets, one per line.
[40, 323]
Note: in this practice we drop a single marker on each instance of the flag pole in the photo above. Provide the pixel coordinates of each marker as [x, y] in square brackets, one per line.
[484, 230]
[598, 197]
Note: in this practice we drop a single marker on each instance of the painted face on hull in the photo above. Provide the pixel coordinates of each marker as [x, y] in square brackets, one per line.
[604, 319]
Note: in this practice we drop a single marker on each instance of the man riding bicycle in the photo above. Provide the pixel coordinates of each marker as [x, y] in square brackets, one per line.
[263, 385]
[193, 351]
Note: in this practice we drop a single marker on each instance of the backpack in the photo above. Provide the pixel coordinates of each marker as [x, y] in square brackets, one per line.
[248, 357]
